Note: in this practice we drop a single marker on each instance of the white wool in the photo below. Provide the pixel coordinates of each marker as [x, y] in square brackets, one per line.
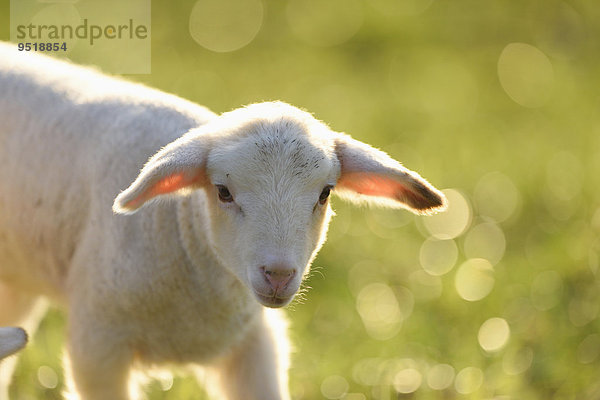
[184, 280]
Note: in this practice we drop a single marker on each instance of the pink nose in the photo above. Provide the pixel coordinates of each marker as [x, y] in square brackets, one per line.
[278, 277]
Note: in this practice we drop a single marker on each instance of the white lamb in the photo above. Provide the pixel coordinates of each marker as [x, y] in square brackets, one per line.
[182, 280]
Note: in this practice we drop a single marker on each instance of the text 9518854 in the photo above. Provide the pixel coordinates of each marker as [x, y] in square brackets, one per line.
[44, 46]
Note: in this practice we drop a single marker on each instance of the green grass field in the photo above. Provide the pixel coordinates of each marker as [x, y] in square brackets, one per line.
[496, 101]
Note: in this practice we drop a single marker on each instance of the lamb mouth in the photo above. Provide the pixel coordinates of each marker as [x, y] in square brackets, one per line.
[272, 301]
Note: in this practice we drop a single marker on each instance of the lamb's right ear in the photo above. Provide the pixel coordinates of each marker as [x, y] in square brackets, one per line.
[370, 175]
[179, 166]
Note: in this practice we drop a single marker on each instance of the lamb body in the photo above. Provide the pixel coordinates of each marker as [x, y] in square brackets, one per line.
[182, 280]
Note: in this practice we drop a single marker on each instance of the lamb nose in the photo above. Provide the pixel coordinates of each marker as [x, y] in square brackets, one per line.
[278, 278]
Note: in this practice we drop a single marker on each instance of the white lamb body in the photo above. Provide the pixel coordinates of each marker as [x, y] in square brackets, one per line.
[182, 280]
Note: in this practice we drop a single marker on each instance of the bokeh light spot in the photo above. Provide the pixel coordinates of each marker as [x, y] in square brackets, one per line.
[496, 196]
[363, 273]
[440, 376]
[474, 279]
[493, 334]
[406, 301]
[454, 221]
[378, 307]
[407, 380]
[47, 377]
[324, 23]
[368, 371]
[526, 74]
[438, 256]
[355, 396]
[589, 349]
[468, 380]
[565, 176]
[517, 361]
[377, 302]
[334, 387]
[487, 241]
[583, 310]
[546, 290]
[225, 25]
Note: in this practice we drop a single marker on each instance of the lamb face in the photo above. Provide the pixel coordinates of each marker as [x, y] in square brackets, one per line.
[269, 205]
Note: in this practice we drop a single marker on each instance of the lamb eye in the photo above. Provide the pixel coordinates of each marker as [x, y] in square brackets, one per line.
[224, 194]
[324, 194]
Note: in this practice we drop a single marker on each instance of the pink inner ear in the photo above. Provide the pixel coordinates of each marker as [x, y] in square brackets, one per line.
[371, 184]
[410, 192]
[169, 184]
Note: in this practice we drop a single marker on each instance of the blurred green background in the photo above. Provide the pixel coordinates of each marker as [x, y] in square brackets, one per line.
[495, 100]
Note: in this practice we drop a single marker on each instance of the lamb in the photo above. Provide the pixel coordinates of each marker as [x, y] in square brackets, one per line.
[11, 340]
[187, 261]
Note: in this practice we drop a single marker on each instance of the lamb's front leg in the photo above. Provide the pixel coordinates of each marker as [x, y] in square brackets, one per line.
[257, 368]
[99, 363]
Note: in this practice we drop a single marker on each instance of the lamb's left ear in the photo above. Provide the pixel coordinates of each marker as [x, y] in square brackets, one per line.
[371, 175]
[179, 166]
